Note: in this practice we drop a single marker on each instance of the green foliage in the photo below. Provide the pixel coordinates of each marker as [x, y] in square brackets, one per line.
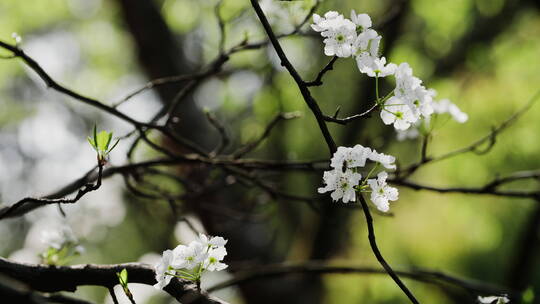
[123, 279]
[528, 296]
[100, 142]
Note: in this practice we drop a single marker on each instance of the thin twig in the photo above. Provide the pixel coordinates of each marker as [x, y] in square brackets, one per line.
[254, 144]
[113, 295]
[11, 210]
[224, 137]
[318, 81]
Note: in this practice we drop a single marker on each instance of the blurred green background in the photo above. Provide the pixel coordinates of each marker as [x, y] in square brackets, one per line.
[484, 55]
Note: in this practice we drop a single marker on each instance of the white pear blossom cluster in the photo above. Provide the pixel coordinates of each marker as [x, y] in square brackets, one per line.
[353, 37]
[190, 261]
[493, 300]
[344, 180]
[410, 101]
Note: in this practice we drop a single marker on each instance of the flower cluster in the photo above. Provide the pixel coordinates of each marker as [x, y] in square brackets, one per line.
[493, 300]
[62, 246]
[345, 181]
[190, 261]
[353, 37]
[410, 101]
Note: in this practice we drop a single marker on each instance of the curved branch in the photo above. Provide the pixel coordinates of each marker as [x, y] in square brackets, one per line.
[254, 144]
[11, 210]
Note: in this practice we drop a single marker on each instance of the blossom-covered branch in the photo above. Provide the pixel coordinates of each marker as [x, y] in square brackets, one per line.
[67, 278]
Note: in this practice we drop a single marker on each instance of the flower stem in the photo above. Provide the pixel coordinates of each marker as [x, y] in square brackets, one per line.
[371, 171]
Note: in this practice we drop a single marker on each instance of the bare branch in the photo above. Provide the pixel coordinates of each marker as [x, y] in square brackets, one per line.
[318, 81]
[225, 140]
[254, 144]
[12, 210]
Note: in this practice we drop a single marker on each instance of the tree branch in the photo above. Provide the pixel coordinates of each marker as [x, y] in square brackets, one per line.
[304, 90]
[67, 278]
[9, 211]
[378, 255]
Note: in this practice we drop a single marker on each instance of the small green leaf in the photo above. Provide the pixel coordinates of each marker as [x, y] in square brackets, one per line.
[91, 141]
[123, 277]
[103, 138]
[101, 143]
[108, 142]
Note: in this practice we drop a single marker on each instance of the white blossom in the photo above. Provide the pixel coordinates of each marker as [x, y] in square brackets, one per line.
[387, 161]
[189, 262]
[343, 179]
[366, 50]
[339, 40]
[362, 20]
[367, 42]
[213, 261]
[446, 106]
[406, 83]
[341, 184]
[411, 91]
[374, 66]
[213, 242]
[381, 193]
[339, 33]
[350, 157]
[423, 102]
[492, 299]
[331, 19]
[190, 256]
[396, 111]
[162, 268]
